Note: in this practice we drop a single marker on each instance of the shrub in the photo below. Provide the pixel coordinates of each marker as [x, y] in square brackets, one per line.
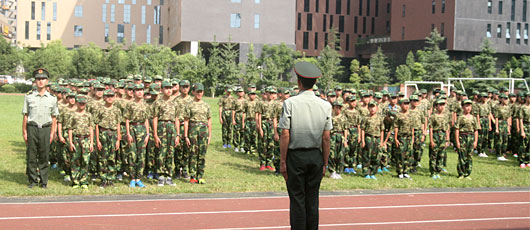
[8, 89]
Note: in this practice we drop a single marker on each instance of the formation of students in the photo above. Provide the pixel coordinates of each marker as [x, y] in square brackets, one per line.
[373, 132]
[136, 127]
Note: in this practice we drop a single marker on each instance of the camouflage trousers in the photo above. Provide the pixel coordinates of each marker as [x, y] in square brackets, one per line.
[267, 153]
[54, 152]
[372, 154]
[403, 154]
[122, 162]
[351, 153]
[276, 152]
[150, 153]
[227, 127]
[93, 164]
[198, 136]
[336, 153]
[465, 159]
[66, 155]
[164, 158]
[417, 148]
[107, 155]
[524, 152]
[501, 139]
[515, 140]
[483, 136]
[250, 136]
[136, 154]
[387, 155]
[182, 155]
[80, 160]
[238, 132]
[437, 154]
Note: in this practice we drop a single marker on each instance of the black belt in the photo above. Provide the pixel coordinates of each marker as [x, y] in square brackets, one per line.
[105, 129]
[40, 126]
[82, 136]
[466, 133]
[136, 123]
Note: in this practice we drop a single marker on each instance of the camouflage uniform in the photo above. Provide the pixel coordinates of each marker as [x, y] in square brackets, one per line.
[276, 114]
[182, 151]
[122, 162]
[136, 113]
[418, 117]
[81, 124]
[92, 107]
[524, 115]
[107, 120]
[354, 119]
[438, 123]
[503, 113]
[484, 111]
[226, 103]
[372, 127]
[266, 111]
[389, 117]
[152, 151]
[197, 113]
[238, 132]
[64, 118]
[250, 126]
[466, 127]
[403, 152]
[336, 153]
[167, 111]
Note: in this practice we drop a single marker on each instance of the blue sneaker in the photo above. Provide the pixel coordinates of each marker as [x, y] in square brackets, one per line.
[140, 184]
[224, 146]
[353, 171]
[385, 169]
[368, 177]
[229, 146]
[54, 166]
[373, 177]
[346, 170]
[379, 170]
[443, 170]
[434, 177]
[359, 166]
[132, 184]
[438, 176]
[150, 176]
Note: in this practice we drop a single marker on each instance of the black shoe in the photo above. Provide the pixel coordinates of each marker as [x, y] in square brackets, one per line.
[103, 184]
[31, 185]
[44, 186]
[185, 175]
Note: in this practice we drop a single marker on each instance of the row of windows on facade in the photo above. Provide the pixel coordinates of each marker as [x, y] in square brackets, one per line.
[433, 8]
[508, 32]
[235, 20]
[305, 43]
[524, 8]
[309, 23]
[338, 7]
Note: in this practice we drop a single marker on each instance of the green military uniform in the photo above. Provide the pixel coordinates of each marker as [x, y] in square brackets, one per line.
[137, 113]
[338, 138]
[372, 126]
[250, 125]
[238, 132]
[404, 124]
[483, 112]
[276, 114]
[226, 104]
[354, 119]
[418, 115]
[66, 155]
[467, 126]
[122, 162]
[439, 123]
[503, 113]
[82, 126]
[182, 152]
[266, 154]
[152, 151]
[524, 116]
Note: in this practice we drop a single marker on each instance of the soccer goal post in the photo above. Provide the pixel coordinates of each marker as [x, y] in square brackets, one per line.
[511, 81]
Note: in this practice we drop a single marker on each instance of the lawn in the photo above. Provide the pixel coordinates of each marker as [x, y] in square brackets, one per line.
[228, 171]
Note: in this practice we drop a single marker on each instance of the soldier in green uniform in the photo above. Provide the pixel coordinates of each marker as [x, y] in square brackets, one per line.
[249, 125]
[225, 111]
[81, 142]
[439, 124]
[107, 120]
[94, 104]
[372, 140]
[354, 119]
[524, 119]
[62, 127]
[197, 133]
[420, 124]
[122, 164]
[166, 129]
[276, 114]
[237, 121]
[485, 118]
[339, 135]
[182, 153]
[38, 129]
[389, 112]
[137, 127]
[403, 139]
[152, 150]
[503, 126]
[467, 126]
[266, 130]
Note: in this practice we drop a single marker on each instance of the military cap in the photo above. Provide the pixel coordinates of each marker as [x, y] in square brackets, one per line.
[130, 76]
[496, 92]
[229, 89]
[107, 81]
[153, 92]
[347, 90]
[81, 99]
[175, 81]
[252, 85]
[372, 103]
[401, 94]
[378, 95]
[130, 86]
[286, 91]
[71, 94]
[463, 94]
[198, 87]
[352, 98]
[167, 84]
[353, 91]
[491, 90]
[404, 100]
[338, 87]
[442, 92]
[307, 70]
[138, 86]
[184, 83]
[436, 90]
[332, 94]
[295, 87]
[467, 101]
[59, 89]
[512, 95]
[442, 97]
[158, 78]
[137, 77]
[240, 89]
[84, 91]
[504, 96]
[120, 85]
[439, 101]
[252, 92]
[520, 94]
[384, 91]
[272, 90]
[414, 98]
[504, 89]
[483, 94]
[423, 91]
[41, 73]
[337, 103]
[99, 86]
[393, 95]
[148, 80]
[317, 93]
[108, 92]
[365, 94]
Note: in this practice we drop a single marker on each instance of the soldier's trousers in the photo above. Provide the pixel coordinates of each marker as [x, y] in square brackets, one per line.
[54, 152]
[276, 152]
[107, 155]
[164, 158]
[93, 164]
[227, 126]
[403, 154]
[372, 154]
[136, 155]
[151, 153]
[122, 163]
[182, 155]
[417, 148]
[501, 139]
[388, 155]
[483, 135]
[66, 155]
[437, 154]
[465, 159]
[198, 135]
[250, 136]
[238, 132]
[80, 160]
[350, 156]
[265, 156]
[524, 152]
[37, 154]
[336, 153]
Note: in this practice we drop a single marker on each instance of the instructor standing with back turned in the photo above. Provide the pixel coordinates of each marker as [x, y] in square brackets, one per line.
[304, 146]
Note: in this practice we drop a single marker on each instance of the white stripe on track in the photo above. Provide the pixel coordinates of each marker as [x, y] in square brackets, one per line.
[253, 211]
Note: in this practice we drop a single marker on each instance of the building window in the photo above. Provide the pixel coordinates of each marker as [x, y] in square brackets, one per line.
[355, 22]
[43, 11]
[524, 10]
[121, 1]
[388, 26]
[488, 31]
[134, 2]
[38, 30]
[364, 25]
[347, 42]
[338, 7]
[325, 39]
[442, 29]
[388, 8]
[309, 22]
[373, 26]
[360, 7]
[317, 6]
[78, 31]
[316, 40]
[348, 5]
[377, 8]
[234, 1]
[161, 35]
[256, 21]
[78, 11]
[508, 32]
[513, 11]
[162, 2]
[367, 7]
[148, 40]
[432, 27]
[341, 24]
[434, 6]
[499, 31]
[306, 41]
[300, 21]
[112, 13]
[403, 11]
[149, 1]
[126, 14]
[143, 15]
[133, 33]
[500, 7]
[235, 20]
[257, 1]
[443, 6]
[121, 33]
[490, 5]
[306, 6]
[327, 6]
[157, 15]
[518, 34]
[325, 25]
[106, 32]
[402, 33]
[104, 13]
[330, 21]
[26, 34]
[55, 11]
[32, 10]
[48, 31]
[525, 36]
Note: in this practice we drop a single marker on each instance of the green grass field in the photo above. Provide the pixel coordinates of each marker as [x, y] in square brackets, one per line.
[227, 171]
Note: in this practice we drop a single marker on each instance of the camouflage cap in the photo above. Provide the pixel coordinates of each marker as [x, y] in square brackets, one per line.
[504, 89]
[352, 98]
[393, 95]
[378, 95]
[137, 77]
[153, 92]
[332, 94]
[240, 89]
[71, 94]
[286, 91]
[108, 92]
[158, 78]
[372, 103]
[338, 87]
[120, 85]
[167, 84]
[139, 86]
[317, 93]
[81, 99]
[84, 91]
[467, 101]
[198, 87]
[252, 92]
[504, 96]
[414, 98]
[404, 101]
[148, 79]
[423, 91]
[439, 101]
[252, 86]
[175, 82]
[337, 103]
[99, 86]
[184, 83]
[272, 90]
[401, 94]
[483, 94]
[512, 95]
[295, 87]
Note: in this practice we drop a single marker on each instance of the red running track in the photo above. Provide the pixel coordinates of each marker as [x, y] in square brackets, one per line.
[459, 210]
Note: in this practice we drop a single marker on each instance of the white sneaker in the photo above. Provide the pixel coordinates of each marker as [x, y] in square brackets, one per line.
[484, 155]
[406, 176]
[339, 176]
[481, 155]
[236, 149]
[333, 175]
[242, 150]
[400, 176]
[501, 158]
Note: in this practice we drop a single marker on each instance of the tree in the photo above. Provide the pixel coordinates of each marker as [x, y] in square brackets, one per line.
[86, 61]
[9, 58]
[189, 67]
[54, 57]
[276, 62]
[214, 67]
[115, 61]
[134, 60]
[410, 59]
[403, 73]
[517, 73]
[434, 60]
[329, 61]
[252, 68]
[379, 67]
[230, 55]
[484, 64]
[525, 65]
[359, 74]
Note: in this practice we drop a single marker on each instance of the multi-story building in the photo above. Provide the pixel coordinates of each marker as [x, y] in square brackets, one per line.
[8, 19]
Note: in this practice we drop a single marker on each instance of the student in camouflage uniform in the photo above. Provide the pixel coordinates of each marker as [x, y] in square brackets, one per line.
[62, 127]
[266, 132]
[137, 123]
[389, 116]
[249, 125]
[485, 116]
[276, 114]
[516, 111]
[93, 105]
[225, 111]
[262, 100]
[237, 121]
[339, 135]
[467, 127]
[152, 150]
[419, 123]
[403, 139]
[197, 133]
[439, 124]
[182, 153]
[372, 134]
[503, 126]
[166, 129]
[122, 163]
[81, 141]
[524, 119]
[107, 120]
[354, 119]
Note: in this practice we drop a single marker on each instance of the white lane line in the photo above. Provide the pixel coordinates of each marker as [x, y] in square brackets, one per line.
[387, 223]
[254, 211]
[252, 198]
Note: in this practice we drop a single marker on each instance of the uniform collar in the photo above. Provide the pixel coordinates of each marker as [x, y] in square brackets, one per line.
[307, 93]
[46, 94]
